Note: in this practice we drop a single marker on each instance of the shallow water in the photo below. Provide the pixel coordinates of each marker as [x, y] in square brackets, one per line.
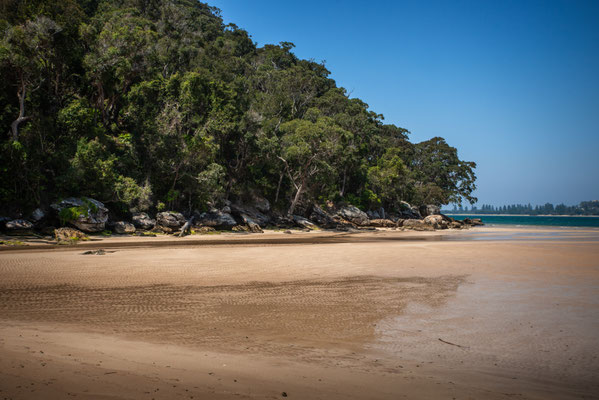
[528, 220]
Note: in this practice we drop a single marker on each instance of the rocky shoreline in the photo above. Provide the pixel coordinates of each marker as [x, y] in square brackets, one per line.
[71, 219]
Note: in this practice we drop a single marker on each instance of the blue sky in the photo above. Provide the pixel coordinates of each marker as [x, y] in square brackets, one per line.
[514, 85]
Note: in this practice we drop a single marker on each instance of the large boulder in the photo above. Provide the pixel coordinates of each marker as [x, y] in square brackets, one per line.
[416, 225]
[260, 203]
[407, 211]
[456, 225]
[90, 215]
[252, 225]
[436, 221]
[373, 214]
[303, 222]
[216, 219]
[473, 221]
[429, 209]
[143, 221]
[353, 214]
[321, 217]
[124, 227]
[17, 226]
[38, 215]
[170, 219]
[68, 234]
[250, 211]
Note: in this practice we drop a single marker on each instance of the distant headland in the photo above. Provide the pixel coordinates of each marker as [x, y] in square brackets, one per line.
[590, 207]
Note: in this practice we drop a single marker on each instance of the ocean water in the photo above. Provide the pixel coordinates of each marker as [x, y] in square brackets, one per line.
[533, 220]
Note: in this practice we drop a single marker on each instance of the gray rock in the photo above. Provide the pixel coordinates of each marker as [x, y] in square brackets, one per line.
[252, 225]
[456, 225]
[143, 221]
[373, 214]
[353, 214]
[170, 219]
[429, 209]
[261, 219]
[240, 228]
[93, 220]
[260, 203]
[37, 215]
[216, 219]
[416, 224]
[435, 221]
[321, 217]
[124, 227]
[303, 222]
[18, 225]
[407, 211]
[473, 221]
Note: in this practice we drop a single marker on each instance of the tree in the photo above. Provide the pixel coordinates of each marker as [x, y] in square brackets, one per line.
[308, 148]
[440, 177]
[27, 50]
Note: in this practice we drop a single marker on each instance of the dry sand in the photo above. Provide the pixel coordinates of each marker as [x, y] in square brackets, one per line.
[490, 313]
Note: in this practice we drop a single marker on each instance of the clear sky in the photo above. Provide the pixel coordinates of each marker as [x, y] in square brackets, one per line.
[514, 85]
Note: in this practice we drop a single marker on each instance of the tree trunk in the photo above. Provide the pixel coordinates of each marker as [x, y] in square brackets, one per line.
[342, 191]
[296, 199]
[279, 187]
[14, 127]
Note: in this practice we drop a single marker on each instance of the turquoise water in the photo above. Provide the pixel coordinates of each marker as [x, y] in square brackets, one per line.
[533, 220]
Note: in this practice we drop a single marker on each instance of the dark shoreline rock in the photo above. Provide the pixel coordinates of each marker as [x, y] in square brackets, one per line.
[143, 221]
[93, 219]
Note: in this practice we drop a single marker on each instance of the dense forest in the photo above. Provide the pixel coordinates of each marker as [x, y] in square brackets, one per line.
[150, 105]
[584, 208]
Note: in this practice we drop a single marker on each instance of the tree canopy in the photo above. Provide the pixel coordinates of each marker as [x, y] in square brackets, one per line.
[146, 104]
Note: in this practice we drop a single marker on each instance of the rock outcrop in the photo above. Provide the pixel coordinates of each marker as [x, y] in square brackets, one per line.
[18, 226]
[408, 211]
[382, 223]
[261, 204]
[353, 214]
[92, 215]
[252, 225]
[429, 209]
[143, 221]
[473, 221]
[416, 225]
[252, 212]
[322, 218]
[303, 222]
[216, 219]
[170, 219]
[436, 221]
[124, 227]
[68, 235]
[38, 215]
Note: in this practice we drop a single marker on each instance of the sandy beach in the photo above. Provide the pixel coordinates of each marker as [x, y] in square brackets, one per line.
[489, 313]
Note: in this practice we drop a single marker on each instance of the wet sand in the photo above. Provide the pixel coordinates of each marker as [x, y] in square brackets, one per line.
[488, 313]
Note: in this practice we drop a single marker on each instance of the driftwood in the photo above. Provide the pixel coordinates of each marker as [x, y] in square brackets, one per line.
[187, 227]
[453, 344]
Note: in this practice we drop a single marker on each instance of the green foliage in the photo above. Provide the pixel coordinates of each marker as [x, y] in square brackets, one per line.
[159, 102]
[211, 184]
[69, 214]
[137, 198]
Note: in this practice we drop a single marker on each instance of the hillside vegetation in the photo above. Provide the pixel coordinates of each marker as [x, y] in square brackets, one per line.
[157, 104]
